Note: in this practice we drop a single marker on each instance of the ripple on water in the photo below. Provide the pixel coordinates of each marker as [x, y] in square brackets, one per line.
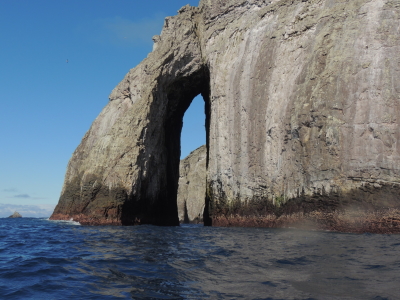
[43, 259]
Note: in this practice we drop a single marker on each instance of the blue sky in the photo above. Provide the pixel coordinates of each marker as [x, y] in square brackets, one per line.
[47, 103]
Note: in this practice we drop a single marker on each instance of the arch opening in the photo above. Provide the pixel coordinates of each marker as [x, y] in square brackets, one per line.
[193, 131]
[180, 95]
[192, 168]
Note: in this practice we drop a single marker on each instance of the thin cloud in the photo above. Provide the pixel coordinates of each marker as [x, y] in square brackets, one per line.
[32, 211]
[25, 196]
[124, 32]
[128, 31]
[11, 190]
[22, 196]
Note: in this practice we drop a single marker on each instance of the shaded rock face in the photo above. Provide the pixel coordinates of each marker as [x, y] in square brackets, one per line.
[192, 186]
[302, 114]
[15, 215]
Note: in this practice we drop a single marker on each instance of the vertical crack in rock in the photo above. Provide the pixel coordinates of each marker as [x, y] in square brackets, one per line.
[302, 117]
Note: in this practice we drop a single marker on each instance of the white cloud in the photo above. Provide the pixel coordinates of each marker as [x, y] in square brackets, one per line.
[35, 211]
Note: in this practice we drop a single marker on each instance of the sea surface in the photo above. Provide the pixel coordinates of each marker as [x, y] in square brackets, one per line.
[42, 259]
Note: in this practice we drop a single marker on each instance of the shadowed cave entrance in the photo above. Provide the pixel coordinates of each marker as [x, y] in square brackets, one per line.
[180, 95]
[155, 199]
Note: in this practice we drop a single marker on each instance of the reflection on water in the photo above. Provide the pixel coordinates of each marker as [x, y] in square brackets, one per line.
[195, 262]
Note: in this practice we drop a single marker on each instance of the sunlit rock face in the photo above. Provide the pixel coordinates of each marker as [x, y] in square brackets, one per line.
[302, 114]
[192, 186]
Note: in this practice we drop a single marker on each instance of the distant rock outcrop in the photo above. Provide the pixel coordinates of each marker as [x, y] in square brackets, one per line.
[302, 118]
[15, 215]
[192, 186]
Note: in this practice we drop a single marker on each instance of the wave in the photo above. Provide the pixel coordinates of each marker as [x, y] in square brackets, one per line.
[70, 221]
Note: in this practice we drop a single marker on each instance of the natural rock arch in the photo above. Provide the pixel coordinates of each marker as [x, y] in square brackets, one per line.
[126, 169]
[183, 93]
[302, 117]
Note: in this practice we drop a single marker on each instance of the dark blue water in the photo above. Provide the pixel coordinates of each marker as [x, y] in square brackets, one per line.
[41, 259]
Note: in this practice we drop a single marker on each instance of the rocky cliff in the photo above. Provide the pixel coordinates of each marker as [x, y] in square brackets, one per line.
[192, 186]
[302, 116]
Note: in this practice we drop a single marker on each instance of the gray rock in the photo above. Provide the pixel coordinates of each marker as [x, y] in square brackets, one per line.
[192, 186]
[302, 111]
[15, 215]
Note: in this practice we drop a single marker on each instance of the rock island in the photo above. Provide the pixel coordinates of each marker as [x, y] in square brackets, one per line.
[302, 104]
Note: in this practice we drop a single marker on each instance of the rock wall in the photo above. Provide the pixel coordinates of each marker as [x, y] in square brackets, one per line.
[302, 114]
[304, 106]
[192, 186]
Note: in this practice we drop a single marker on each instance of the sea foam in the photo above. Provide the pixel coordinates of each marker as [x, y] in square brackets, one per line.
[70, 221]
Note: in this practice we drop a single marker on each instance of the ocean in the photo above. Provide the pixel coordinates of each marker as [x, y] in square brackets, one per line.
[42, 259]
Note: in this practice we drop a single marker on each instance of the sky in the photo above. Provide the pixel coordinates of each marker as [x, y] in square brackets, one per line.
[59, 61]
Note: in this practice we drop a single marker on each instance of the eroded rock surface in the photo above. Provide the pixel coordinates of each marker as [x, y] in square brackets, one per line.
[192, 186]
[302, 115]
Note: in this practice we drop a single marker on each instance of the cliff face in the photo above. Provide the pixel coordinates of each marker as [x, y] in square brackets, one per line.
[302, 114]
[192, 186]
